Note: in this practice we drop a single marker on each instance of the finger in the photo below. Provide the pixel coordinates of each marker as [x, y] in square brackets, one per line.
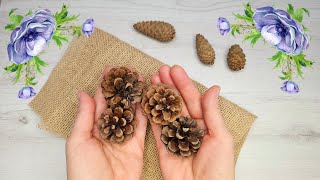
[165, 78]
[156, 129]
[201, 124]
[84, 121]
[142, 122]
[189, 92]
[99, 97]
[211, 111]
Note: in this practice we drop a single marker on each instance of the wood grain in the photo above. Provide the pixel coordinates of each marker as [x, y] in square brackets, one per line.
[284, 142]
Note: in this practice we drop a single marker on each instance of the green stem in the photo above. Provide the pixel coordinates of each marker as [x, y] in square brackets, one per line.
[289, 67]
[65, 28]
[27, 73]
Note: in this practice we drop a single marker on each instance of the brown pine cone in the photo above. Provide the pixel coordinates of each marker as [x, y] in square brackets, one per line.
[236, 58]
[182, 137]
[116, 125]
[205, 51]
[162, 104]
[159, 30]
[121, 87]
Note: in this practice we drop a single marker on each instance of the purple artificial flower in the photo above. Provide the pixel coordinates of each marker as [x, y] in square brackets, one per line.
[280, 30]
[31, 37]
[26, 92]
[223, 26]
[88, 27]
[290, 87]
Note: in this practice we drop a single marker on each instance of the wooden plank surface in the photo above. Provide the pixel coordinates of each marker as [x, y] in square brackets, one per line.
[284, 142]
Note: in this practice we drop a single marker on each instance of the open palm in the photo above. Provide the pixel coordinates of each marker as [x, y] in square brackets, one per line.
[214, 159]
[89, 157]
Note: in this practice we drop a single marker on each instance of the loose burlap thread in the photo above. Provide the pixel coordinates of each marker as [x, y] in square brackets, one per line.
[80, 70]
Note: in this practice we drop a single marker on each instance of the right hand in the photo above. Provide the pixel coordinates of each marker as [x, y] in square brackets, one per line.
[215, 158]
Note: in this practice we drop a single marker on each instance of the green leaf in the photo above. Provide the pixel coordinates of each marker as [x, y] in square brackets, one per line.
[40, 61]
[245, 18]
[248, 13]
[29, 12]
[67, 19]
[306, 11]
[62, 16]
[305, 28]
[16, 18]
[12, 11]
[12, 68]
[279, 58]
[18, 72]
[286, 76]
[253, 37]
[235, 29]
[290, 9]
[298, 15]
[248, 10]
[10, 27]
[57, 40]
[276, 56]
[76, 31]
[64, 10]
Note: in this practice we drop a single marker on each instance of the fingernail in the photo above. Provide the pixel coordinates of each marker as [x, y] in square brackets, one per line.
[218, 90]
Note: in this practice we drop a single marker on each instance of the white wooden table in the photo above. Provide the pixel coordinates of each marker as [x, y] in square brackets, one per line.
[283, 144]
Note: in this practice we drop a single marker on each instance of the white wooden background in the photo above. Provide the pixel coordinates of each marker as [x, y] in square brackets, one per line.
[283, 144]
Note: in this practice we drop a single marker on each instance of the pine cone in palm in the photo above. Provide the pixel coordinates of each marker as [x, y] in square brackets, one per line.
[182, 137]
[116, 125]
[122, 87]
[162, 104]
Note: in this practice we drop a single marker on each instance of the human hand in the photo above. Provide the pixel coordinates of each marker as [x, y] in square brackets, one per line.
[215, 158]
[91, 158]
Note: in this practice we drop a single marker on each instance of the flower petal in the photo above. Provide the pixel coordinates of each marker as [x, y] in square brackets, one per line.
[270, 35]
[38, 46]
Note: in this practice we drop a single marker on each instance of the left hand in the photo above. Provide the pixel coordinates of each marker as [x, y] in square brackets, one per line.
[89, 157]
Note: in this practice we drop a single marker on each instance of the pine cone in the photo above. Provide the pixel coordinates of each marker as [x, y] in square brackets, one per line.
[236, 58]
[159, 30]
[205, 51]
[182, 137]
[162, 104]
[121, 87]
[116, 125]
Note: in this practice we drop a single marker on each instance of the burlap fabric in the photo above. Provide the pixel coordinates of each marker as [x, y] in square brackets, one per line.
[80, 69]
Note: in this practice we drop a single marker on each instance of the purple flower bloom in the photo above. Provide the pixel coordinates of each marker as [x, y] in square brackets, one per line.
[26, 92]
[88, 27]
[290, 87]
[277, 27]
[31, 37]
[223, 26]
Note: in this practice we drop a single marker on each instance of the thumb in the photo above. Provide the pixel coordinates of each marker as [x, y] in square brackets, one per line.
[85, 119]
[211, 111]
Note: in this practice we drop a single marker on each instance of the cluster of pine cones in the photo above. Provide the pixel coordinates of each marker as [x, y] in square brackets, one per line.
[121, 89]
[164, 32]
[163, 106]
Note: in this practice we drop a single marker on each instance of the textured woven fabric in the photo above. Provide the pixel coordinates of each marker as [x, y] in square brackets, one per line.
[80, 70]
